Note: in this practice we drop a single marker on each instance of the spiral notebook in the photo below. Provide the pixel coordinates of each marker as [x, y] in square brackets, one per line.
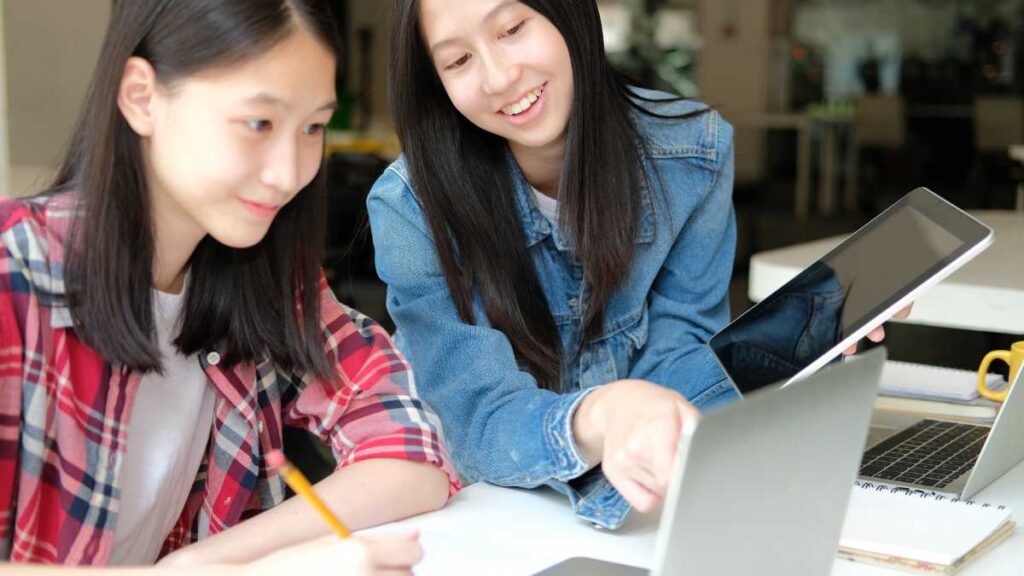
[909, 380]
[919, 531]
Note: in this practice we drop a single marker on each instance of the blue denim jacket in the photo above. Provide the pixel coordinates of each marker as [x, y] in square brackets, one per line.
[501, 427]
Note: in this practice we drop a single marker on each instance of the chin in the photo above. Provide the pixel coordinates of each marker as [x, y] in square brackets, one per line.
[240, 239]
[536, 140]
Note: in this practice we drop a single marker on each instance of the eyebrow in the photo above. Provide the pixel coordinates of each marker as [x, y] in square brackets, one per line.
[490, 16]
[270, 100]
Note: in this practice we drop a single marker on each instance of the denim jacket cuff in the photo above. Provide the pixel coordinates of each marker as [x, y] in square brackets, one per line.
[569, 464]
[720, 393]
[595, 500]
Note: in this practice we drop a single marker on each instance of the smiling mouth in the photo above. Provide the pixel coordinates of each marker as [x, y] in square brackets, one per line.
[525, 103]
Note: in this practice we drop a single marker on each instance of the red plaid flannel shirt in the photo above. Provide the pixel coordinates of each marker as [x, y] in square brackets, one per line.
[64, 410]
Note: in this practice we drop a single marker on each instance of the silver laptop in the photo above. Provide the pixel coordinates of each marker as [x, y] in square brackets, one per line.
[761, 486]
[947, 457]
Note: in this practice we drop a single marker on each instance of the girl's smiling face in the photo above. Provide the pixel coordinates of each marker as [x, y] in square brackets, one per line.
[505, 67]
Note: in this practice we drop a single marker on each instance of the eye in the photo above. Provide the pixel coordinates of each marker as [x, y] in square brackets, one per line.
[315, 129]
[458, 63]
[515, 29]
[257, 125]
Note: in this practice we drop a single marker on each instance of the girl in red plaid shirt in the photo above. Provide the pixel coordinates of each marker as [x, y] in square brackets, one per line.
[163, 315]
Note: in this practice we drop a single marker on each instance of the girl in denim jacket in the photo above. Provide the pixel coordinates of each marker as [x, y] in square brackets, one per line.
[557, 247]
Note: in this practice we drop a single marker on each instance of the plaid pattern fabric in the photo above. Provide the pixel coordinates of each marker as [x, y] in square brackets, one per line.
[64, 410]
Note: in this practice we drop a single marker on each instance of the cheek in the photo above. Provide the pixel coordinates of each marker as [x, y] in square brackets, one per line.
[210, 156]
[466, 99]
[309, 165]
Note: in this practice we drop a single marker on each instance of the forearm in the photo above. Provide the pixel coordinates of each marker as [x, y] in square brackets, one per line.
[363, 494]
[50, 570]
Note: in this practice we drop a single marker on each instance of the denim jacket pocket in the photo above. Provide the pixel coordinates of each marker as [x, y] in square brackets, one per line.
[637, 333]
[626, 343]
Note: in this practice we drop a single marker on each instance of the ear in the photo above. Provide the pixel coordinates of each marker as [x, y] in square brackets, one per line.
[136, 94]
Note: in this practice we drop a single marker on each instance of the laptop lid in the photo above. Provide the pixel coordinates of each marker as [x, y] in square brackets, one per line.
[761, 486]
[836, 301]
[1004, 447]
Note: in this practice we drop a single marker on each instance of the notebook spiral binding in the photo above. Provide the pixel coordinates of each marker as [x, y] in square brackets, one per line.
[923, 494]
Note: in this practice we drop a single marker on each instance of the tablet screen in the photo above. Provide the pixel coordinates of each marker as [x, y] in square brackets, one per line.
[849, 287]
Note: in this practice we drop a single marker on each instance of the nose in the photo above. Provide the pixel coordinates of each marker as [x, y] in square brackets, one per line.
[281, 168]
[500, 73]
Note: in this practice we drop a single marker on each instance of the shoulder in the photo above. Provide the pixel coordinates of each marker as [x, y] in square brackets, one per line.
[393, 185]
[347, 330]
[393, 195]
[33, 231]
[703, 134]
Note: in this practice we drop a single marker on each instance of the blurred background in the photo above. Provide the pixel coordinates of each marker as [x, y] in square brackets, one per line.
[840, 108]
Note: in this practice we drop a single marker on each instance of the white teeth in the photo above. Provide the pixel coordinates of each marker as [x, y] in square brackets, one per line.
[524, 104]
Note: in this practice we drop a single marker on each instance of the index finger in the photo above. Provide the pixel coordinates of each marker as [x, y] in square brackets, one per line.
[666, 447]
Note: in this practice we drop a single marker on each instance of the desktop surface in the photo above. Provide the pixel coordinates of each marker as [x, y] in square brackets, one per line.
[510, 532]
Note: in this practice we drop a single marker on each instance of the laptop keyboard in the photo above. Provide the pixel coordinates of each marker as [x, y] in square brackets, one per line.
[930, 453]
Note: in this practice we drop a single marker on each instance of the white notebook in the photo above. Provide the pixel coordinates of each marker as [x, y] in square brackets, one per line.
[932, 382]
[916, 530]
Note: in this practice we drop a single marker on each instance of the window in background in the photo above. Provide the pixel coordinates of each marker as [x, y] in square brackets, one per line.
[654, 41]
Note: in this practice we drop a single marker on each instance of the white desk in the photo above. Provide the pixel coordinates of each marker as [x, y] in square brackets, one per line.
[508, 532]
[1017, 155]
[987, 294]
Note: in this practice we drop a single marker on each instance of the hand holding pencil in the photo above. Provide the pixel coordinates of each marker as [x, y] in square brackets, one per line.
[379, 555]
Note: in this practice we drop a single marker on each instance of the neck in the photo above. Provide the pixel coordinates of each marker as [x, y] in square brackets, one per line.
[175, 237]
[169, 268]
[541, 166]
[171, 254]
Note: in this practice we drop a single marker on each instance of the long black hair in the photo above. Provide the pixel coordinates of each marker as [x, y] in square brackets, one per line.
[241, 302]
[463, 180]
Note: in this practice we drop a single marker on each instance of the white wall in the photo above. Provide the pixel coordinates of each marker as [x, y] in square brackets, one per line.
[5, 159]
[51, 50]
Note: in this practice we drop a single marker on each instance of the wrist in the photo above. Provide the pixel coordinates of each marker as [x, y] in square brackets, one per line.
[588, 426]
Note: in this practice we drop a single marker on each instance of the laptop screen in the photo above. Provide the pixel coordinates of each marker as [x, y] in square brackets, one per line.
[839, 294]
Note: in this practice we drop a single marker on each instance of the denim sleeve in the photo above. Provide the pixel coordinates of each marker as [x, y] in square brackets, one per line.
[689, 300]
[501, 427]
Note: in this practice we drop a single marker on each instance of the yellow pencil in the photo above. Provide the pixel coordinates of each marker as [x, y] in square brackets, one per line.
[302, 487]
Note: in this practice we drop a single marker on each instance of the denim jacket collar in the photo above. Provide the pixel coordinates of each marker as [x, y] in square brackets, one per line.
[536, 227]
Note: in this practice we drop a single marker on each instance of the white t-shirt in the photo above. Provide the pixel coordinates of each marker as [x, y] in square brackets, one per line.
[547, 205]
[168, 434]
